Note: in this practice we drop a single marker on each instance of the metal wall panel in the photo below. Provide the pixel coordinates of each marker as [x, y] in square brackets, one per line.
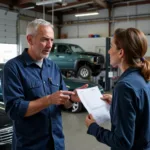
[8, 27]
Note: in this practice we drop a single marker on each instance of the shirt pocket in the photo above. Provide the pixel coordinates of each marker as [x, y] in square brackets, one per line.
[35, 89]
[54, 86]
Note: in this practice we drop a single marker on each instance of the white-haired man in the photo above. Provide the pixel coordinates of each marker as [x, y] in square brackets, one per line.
[33, 91]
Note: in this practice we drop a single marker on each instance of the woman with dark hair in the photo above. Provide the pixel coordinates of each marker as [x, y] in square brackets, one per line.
[130, 101]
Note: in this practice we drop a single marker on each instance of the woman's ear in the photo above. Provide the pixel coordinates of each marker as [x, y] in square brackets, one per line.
[121, 53]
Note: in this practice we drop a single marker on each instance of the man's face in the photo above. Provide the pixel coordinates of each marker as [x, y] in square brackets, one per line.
[41, 43]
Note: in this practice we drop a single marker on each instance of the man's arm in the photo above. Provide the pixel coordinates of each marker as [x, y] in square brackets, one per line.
[59, 98]
[13, 94]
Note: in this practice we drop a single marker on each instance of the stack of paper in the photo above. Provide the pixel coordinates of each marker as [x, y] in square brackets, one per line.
[90, 97]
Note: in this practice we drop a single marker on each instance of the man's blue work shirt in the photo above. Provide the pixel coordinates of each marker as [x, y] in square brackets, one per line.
[24, 81]
[130, 114]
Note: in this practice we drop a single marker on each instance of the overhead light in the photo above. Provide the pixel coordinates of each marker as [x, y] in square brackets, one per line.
[47, 2]
[86, 14]
[26, 8]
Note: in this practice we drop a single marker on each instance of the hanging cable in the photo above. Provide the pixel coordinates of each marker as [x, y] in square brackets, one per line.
[43, 11]
[52, 14]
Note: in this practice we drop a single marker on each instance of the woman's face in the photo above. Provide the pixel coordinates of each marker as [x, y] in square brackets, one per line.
[114, 53]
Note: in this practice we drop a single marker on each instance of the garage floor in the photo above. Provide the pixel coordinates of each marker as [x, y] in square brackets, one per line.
[75, 133]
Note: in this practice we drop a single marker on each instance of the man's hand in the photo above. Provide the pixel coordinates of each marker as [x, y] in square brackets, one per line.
[60, 97]
[107, 98]
[75, 97]
[89, 120]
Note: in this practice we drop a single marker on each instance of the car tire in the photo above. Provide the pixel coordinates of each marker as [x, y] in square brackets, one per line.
[84, 72]
[76, 107]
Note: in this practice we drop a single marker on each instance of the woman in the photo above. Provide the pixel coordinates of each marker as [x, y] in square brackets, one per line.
[130, 101]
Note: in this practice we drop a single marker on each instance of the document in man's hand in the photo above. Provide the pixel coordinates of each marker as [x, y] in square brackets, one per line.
[91, 99]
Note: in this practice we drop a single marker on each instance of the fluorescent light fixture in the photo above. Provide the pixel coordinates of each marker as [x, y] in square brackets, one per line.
[26, 8]
[86, 14]
[47, 2]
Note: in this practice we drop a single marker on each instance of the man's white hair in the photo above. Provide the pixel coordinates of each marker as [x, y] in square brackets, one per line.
[33, 26]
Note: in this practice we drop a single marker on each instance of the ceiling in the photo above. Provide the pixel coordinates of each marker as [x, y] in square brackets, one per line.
[72, 6]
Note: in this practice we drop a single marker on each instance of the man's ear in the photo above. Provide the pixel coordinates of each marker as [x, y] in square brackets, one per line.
[29, 39]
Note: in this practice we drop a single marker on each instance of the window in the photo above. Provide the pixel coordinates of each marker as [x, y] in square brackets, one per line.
[62, 49]
[76, 48]
[7, 51]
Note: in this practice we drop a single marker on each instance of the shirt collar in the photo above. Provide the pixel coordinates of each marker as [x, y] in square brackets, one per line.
[28, 60]
[126, 72]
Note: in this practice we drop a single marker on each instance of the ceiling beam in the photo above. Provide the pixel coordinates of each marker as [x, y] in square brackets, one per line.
[6, 2]
[73, 5]
[22, 2]
[101, 3]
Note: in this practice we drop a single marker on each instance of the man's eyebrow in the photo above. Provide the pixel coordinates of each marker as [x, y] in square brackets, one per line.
[47, 38]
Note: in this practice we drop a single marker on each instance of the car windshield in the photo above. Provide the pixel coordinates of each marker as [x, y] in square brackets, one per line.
[76, 48]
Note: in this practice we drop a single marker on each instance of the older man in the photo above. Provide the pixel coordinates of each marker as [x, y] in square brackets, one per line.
[34, 90]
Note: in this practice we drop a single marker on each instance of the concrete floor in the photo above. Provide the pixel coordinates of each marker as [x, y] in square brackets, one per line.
[76, 137]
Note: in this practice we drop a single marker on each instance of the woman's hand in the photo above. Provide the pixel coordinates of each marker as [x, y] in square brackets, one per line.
[89, 120]
[107, 98]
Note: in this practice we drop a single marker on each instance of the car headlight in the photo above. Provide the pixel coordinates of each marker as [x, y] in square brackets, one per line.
[94, 60]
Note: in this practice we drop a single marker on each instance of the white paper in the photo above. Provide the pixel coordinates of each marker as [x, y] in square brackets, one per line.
[90, 97]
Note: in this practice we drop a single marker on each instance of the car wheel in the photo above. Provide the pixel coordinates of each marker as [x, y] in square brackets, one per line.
[84, 72]
[76, 107]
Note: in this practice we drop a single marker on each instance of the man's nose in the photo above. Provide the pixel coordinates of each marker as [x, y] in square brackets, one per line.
[49, 43]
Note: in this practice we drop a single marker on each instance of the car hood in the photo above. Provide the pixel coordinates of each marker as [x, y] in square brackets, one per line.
[73, 83]
[4, 120]
[89, 53]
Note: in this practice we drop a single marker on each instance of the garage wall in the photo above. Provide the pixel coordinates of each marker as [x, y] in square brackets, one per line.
[129, 12]
[8, 27]
[23, 43]
[83, 30]
[26, 16]
[148, 52]
[79, 29]
[74, 28]
[8, 35]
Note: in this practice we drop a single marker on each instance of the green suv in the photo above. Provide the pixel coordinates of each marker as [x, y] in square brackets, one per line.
[71, 57]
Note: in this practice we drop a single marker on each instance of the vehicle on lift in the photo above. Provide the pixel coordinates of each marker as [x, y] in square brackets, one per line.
[6, 129]
[73, 83]
[71, 57]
